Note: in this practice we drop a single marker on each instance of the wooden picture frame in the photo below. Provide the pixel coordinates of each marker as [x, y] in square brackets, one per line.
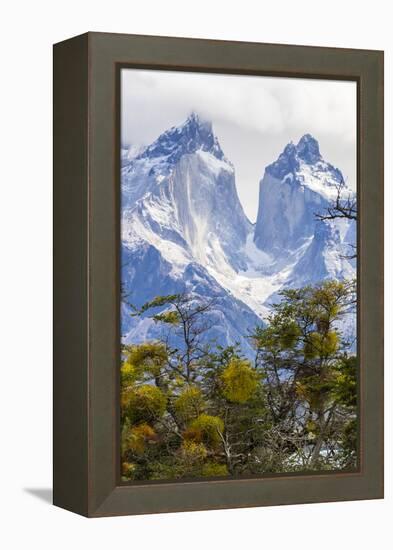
[86, 272]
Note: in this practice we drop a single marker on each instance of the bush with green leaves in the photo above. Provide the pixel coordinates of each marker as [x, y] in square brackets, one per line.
[196, 409]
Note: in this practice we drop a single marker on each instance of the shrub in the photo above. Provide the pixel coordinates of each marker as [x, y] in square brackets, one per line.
[128, 375]
[192, 453]
[205, 428]
[145, 404]
[190, 403]
[213, 469]
[148, 357]
[138, 436]
[127, 469]
[240, 381]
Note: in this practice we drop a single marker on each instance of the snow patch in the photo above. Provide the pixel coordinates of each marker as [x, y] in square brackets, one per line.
[214, 164]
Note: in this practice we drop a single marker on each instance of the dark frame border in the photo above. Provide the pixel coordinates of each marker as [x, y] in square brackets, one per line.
[118, 69]
[86, 296]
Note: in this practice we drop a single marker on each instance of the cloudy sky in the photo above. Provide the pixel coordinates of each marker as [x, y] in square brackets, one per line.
[253, 117]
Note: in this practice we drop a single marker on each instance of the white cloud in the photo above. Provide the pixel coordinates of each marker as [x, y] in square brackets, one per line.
[254, 117]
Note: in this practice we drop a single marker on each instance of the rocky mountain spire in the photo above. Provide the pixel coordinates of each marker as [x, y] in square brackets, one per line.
[184, 230]
[196, 133]
[294, 187]
[308, 149]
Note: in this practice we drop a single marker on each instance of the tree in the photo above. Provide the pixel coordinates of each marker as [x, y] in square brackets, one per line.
[191, 408]
[344, 206]
[187, 410]
[309, 377]
[185, 316]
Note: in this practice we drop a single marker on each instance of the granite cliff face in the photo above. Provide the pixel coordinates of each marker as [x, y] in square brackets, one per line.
[182, 222]
[184, 230]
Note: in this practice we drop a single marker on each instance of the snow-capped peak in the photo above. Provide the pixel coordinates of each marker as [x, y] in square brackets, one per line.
[183, 228]
[308, 149]
[303, 164]
[196, 119]
[196, 133]
[144, 172]
[297, 186]
[290, 160]
[183, 189]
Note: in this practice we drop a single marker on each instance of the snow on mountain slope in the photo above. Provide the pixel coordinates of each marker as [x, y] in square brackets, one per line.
[296, 187]
[304, 250]
[182, 222]
[184, 229]
[289, 246]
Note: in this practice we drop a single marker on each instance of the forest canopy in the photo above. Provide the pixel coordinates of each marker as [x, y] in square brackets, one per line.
[194, 409]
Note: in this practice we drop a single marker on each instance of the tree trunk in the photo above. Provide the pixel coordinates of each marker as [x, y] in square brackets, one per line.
[318, 445]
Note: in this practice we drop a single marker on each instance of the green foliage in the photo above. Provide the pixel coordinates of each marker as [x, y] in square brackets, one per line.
[304, 364]
[169, 317]
[159, 301]
[321, 345]
[316, 390]
[345, 388]
[203, 410]
[267, 339]
[145, 404]
[148, 357]
[192, 452]
[214, 469]
[128, 375]
[350, 439]
[165, 468]
[290, 335]
[136, 438]
[239, 381]
[190, 403]
[205, 428]
[128, 469]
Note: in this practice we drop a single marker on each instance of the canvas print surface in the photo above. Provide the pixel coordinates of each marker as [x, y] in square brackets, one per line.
[238, 276]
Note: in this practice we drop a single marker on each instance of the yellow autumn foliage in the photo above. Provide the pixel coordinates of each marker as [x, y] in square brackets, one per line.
[138, 436]
[321, 344]
[127, 468]
[205, 428]
[145, 403]
[239, 380]
[213, 469]
[192, 452]
[170, 317]
[147, 357]
[189, 403]
[128, 375]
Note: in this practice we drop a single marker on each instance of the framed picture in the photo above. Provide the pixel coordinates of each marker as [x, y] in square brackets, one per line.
[218, 260]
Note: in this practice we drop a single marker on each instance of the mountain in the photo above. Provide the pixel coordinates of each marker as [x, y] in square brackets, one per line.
[182, 222]
[303, 249]
[294, 188]
[184, 230]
